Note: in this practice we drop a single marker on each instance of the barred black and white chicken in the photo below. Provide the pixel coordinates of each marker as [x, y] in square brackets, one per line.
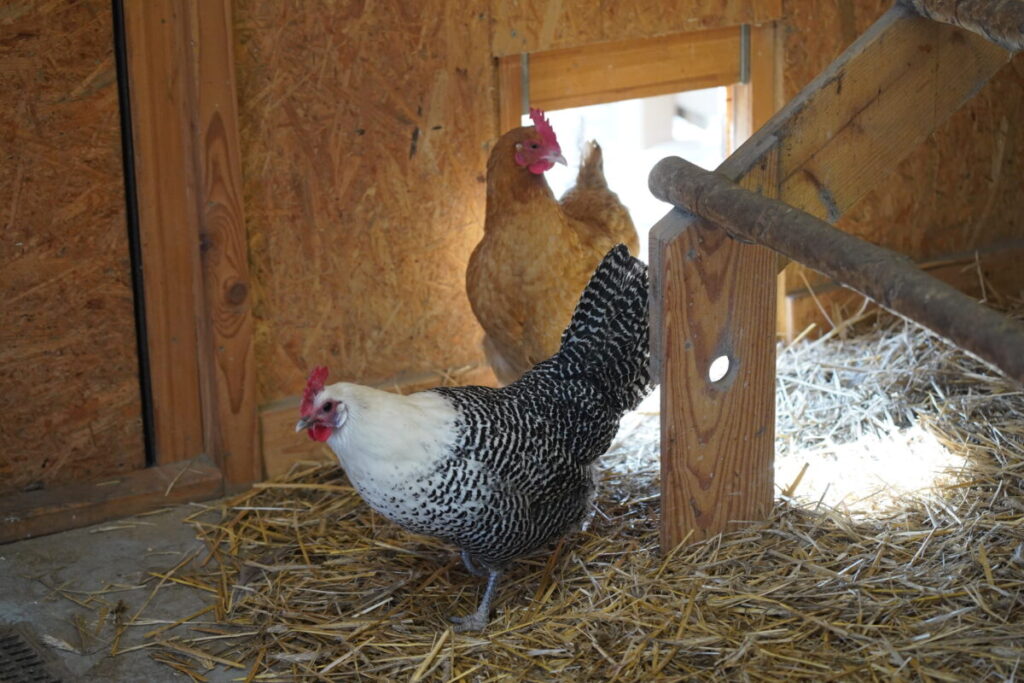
[499, 473]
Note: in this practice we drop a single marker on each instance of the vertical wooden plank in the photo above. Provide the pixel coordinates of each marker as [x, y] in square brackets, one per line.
[510, 93]
[712, 297]
[194, 246]
[69, 405]
[757, 100]
[161, 104]
[227, 324]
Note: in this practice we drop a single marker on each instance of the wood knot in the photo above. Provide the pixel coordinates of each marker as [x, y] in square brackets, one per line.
[237, 293]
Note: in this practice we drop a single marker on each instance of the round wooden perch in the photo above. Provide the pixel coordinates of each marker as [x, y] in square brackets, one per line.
[889, 278]
[1001, 21]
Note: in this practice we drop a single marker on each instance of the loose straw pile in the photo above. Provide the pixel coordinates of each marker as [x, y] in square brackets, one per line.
[306, 583]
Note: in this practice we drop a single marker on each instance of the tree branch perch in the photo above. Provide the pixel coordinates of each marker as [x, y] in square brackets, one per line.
[885, 276]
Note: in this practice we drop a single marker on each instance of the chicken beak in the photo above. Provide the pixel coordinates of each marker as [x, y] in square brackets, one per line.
[559, 159]
[304, 423]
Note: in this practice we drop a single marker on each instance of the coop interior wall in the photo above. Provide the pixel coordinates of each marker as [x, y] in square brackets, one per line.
[957, 193]
[365, 129]
[70, 407]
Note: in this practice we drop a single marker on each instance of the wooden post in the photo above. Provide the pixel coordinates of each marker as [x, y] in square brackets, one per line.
[161, 105]
[712, 297]
[227, 326]
[195, 252]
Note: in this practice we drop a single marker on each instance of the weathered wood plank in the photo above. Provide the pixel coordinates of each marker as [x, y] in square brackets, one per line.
[229, 363]
[165, 176]
[25, 515]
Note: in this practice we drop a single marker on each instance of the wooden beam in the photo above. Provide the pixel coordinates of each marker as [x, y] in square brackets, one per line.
[36, 513]
[1001, 21]
[161, 104]
[195, 259]
[887, 277]
[510, 93]
[608, 72]
[712, 297]
[228, 366]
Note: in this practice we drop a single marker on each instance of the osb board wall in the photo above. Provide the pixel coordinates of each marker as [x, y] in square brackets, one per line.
[535, 25]
[69, 408]
[364, 132]
[958, 191]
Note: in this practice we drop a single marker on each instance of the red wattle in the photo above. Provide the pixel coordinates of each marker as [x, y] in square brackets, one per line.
[320, 432]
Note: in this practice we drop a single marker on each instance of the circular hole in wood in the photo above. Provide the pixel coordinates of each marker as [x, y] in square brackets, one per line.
[718, 369]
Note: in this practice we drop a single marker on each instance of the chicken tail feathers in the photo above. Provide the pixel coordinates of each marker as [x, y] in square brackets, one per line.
[591, 175]
[607, 340]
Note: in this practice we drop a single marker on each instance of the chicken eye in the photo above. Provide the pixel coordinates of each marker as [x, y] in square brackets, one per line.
[327, 407]
[534, 145]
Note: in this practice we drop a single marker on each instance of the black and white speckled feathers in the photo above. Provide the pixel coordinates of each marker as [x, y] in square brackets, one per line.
[502, 472]
[537, 438]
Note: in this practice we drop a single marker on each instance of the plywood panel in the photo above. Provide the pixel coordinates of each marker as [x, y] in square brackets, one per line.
[537, 25]
[958, 191]
[365, 132]
[69, 409]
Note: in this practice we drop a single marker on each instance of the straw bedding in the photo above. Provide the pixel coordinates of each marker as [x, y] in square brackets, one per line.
[307, 584]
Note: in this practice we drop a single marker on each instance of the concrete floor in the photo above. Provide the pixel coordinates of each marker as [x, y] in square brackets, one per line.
[89, 559]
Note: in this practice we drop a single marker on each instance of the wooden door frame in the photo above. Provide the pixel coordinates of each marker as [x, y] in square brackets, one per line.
[195, 272]
[606, 72]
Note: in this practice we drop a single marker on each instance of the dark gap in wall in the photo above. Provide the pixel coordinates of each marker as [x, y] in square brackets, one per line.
[134, 241]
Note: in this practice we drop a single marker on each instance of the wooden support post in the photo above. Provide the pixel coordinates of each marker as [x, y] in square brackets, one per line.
[881, 274]
[195, 251]
[712, 297]
[229, 366]
[161, 105]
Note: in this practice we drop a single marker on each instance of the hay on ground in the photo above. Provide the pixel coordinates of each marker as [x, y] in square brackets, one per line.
[306, 583]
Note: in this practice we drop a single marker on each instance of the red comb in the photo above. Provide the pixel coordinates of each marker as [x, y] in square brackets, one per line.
[547, 133]
[314, 385]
